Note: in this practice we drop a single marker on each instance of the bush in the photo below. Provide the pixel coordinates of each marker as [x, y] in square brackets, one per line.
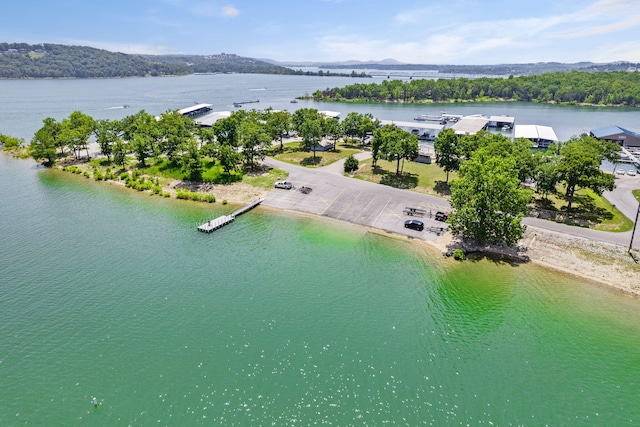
[97, 175]
[86, 174]
[458, 254]
[351, 164]
[224, 201]
[124, 176]
[210, 198]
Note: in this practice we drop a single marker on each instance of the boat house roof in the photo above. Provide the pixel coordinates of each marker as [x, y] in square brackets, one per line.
[535, 133]
[617, 134]
[332, 114]
[209, 119]
[195, 110]
[470, 125]
[413, 125]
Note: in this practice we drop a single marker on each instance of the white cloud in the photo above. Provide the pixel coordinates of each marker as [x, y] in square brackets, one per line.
[230, 12]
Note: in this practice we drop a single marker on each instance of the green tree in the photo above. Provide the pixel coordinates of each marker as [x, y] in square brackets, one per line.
[175, 129]
[120, 153]
[351, 124]
[278, 124]
[367, 126]
[396, 144]
[43, 143]
[579, 165]
[75, 131]
[107, 133]
[351, 164]
[9, 143]
[191, 160]
[487, 199]
[447, 148]
[309, 124]
[546, 175]
[142, 148]
[228, 157]
[333, 130]
[254, 141]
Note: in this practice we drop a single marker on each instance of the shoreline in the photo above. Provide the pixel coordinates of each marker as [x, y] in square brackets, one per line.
[600, 262]
[572, 255]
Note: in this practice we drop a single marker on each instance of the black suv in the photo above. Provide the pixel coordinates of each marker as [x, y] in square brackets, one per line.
[414, 224]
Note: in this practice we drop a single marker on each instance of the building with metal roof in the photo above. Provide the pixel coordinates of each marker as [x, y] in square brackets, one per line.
[542, 136]
[620, 136]
[501, 121]
[331, 114]
[470, 125]
[196, 110]
[209, 119]
[428, 131]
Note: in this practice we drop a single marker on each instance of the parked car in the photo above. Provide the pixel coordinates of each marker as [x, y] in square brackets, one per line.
[631, 172]
[441, 216]
[414, 224]
[620, 172]
[284, 184]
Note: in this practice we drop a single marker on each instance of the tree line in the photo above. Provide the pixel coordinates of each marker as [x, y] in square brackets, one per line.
[21, 60]
[488, 199]
[236, 142]
[602, 88]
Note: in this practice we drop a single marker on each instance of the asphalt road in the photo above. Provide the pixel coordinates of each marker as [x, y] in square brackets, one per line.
[379, 206]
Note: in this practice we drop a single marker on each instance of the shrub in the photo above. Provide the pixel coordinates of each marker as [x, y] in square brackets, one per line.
[351, 164]
[182, 194]
[124, 176]
[97, 175]
[86, 174]
[224, 201]
[210, 198]
[458, 254]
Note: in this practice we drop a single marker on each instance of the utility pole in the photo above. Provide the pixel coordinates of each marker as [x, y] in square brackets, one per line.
[634, 228]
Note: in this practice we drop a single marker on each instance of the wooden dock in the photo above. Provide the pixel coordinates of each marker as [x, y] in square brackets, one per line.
[221, 221]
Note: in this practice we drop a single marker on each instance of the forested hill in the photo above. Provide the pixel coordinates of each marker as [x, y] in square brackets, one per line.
[21, 60]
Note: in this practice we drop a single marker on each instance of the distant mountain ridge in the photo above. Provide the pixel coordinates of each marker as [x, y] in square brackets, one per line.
[495, 69]
[22, 60]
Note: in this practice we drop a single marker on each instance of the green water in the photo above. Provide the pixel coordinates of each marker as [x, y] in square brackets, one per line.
[284, 320]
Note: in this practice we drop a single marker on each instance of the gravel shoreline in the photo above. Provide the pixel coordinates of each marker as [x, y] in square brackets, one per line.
[605, 263]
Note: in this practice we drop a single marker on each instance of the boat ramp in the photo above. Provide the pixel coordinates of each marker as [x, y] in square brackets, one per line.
[221, 221]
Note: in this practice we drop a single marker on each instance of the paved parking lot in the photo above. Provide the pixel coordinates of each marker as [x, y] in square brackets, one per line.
[356, 201]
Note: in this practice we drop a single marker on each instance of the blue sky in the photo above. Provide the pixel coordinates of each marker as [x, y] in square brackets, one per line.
[426, 32]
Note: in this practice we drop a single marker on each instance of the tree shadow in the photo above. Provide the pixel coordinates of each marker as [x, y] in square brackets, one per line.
[583, 213]
[403, 181]
[443, 188]
[311, 161]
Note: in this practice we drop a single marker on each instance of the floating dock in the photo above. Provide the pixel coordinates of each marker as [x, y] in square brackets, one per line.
[221, 221]
[239, 104]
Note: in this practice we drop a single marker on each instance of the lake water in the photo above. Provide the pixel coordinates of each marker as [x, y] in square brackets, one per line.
[279, 319]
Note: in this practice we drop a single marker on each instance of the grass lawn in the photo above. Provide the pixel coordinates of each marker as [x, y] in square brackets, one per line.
[636, 194]
[419, 177]
[588, 210]
[293, 153]
[212, 172]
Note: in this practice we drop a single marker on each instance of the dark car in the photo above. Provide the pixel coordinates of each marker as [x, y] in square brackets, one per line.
[414, 224]
[441, 216]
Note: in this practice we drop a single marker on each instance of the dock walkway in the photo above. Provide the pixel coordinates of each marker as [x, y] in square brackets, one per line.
[223, 220]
